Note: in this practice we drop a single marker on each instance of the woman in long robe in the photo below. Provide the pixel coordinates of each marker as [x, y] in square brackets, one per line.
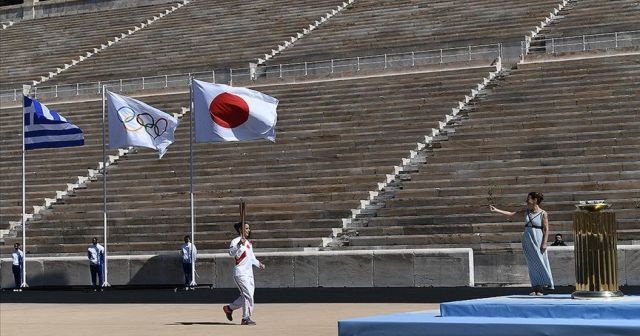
[534, 242]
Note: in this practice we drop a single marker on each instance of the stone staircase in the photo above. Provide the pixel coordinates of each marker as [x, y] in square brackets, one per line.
[587, 17]
[199, 39]
[576, 144]
[388, 27]
[336, 140]
[569, 128]
[34, 48]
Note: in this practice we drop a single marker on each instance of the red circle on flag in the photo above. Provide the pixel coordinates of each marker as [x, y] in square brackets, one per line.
[229, 110]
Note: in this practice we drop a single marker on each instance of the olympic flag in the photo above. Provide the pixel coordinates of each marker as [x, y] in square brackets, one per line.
[227, 113]
[134, 123]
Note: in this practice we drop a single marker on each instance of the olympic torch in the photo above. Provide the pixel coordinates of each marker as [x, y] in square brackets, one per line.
[242, 213]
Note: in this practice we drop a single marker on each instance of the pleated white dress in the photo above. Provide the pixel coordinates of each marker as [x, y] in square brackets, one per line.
[537, 262]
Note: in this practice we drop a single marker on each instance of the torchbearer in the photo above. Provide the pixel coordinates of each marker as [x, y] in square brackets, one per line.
[242, 251]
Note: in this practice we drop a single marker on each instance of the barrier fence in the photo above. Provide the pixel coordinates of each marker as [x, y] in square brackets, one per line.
[257, 73]
[555, 45]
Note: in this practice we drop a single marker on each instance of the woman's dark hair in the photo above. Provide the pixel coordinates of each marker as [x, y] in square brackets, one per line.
[237, 226]
[536, 196]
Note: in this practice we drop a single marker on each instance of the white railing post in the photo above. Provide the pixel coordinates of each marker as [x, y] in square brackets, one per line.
[553, 45]
[469, 52]
[99, 86]
[357, 63]
[77, 89]
[441, 57]
[230, 77]
[213, 76]
[413, 59]
[584, 43]
[15, 94]
[280, 68]
[616, 38]
[143, 83]
[500, 50]
[385, 61]
[166, 81]
[331, 65]
[56, 90]
[120, 85]
[305, 68]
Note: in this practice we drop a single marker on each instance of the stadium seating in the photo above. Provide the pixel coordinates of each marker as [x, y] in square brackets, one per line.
[336, 140]
[597, 20]
[586, 17]
[33, 48]
[203, 36]
[378, 27]
[569, 129]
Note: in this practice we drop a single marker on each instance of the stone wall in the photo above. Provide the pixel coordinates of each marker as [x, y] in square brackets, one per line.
[370, 268]
[310, 269]
[510, 269]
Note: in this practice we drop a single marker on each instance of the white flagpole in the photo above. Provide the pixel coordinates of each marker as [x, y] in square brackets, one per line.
[104, 189]
[25, 92]
[193, 219]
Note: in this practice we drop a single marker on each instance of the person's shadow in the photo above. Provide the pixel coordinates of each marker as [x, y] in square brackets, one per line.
[202, 323]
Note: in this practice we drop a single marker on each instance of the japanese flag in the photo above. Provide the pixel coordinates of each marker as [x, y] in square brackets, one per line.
[226, 113]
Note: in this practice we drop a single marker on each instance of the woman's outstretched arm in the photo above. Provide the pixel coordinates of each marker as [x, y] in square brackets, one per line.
[503, 212]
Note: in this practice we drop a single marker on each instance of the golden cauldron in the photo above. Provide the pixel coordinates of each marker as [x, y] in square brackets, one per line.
[595, 251]
[593, 206]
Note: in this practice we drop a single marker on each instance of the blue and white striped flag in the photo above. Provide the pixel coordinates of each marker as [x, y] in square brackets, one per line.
[44, 128]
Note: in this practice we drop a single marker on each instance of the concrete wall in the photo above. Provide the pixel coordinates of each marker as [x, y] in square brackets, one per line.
[368, 268]
[509, 268]
[371, 268]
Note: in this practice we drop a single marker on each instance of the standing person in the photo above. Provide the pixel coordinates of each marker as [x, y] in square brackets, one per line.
[534, 242]
[95, 254]
[188, 252]
[16, 267]
[559, 241]
[242, 250]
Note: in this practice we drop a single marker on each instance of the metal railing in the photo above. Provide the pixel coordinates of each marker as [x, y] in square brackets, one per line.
[584, 42]
[257, 73]
[375, 62]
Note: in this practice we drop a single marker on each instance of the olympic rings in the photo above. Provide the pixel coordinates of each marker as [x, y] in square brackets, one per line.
[133, 122]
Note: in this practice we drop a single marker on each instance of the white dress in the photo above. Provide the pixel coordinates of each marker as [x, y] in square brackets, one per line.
[537, 262]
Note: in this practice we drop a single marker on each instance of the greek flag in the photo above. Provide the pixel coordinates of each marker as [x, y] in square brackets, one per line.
[44, 128]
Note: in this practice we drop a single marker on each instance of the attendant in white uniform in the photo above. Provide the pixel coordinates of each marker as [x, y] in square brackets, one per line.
[242, 251]
[95, 254]
[17, 263]
[188, 252]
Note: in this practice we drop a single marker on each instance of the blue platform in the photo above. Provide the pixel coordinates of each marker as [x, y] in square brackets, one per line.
[508, 316]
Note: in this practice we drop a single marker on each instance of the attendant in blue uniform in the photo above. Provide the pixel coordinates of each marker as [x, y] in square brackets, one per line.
[534, 242]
